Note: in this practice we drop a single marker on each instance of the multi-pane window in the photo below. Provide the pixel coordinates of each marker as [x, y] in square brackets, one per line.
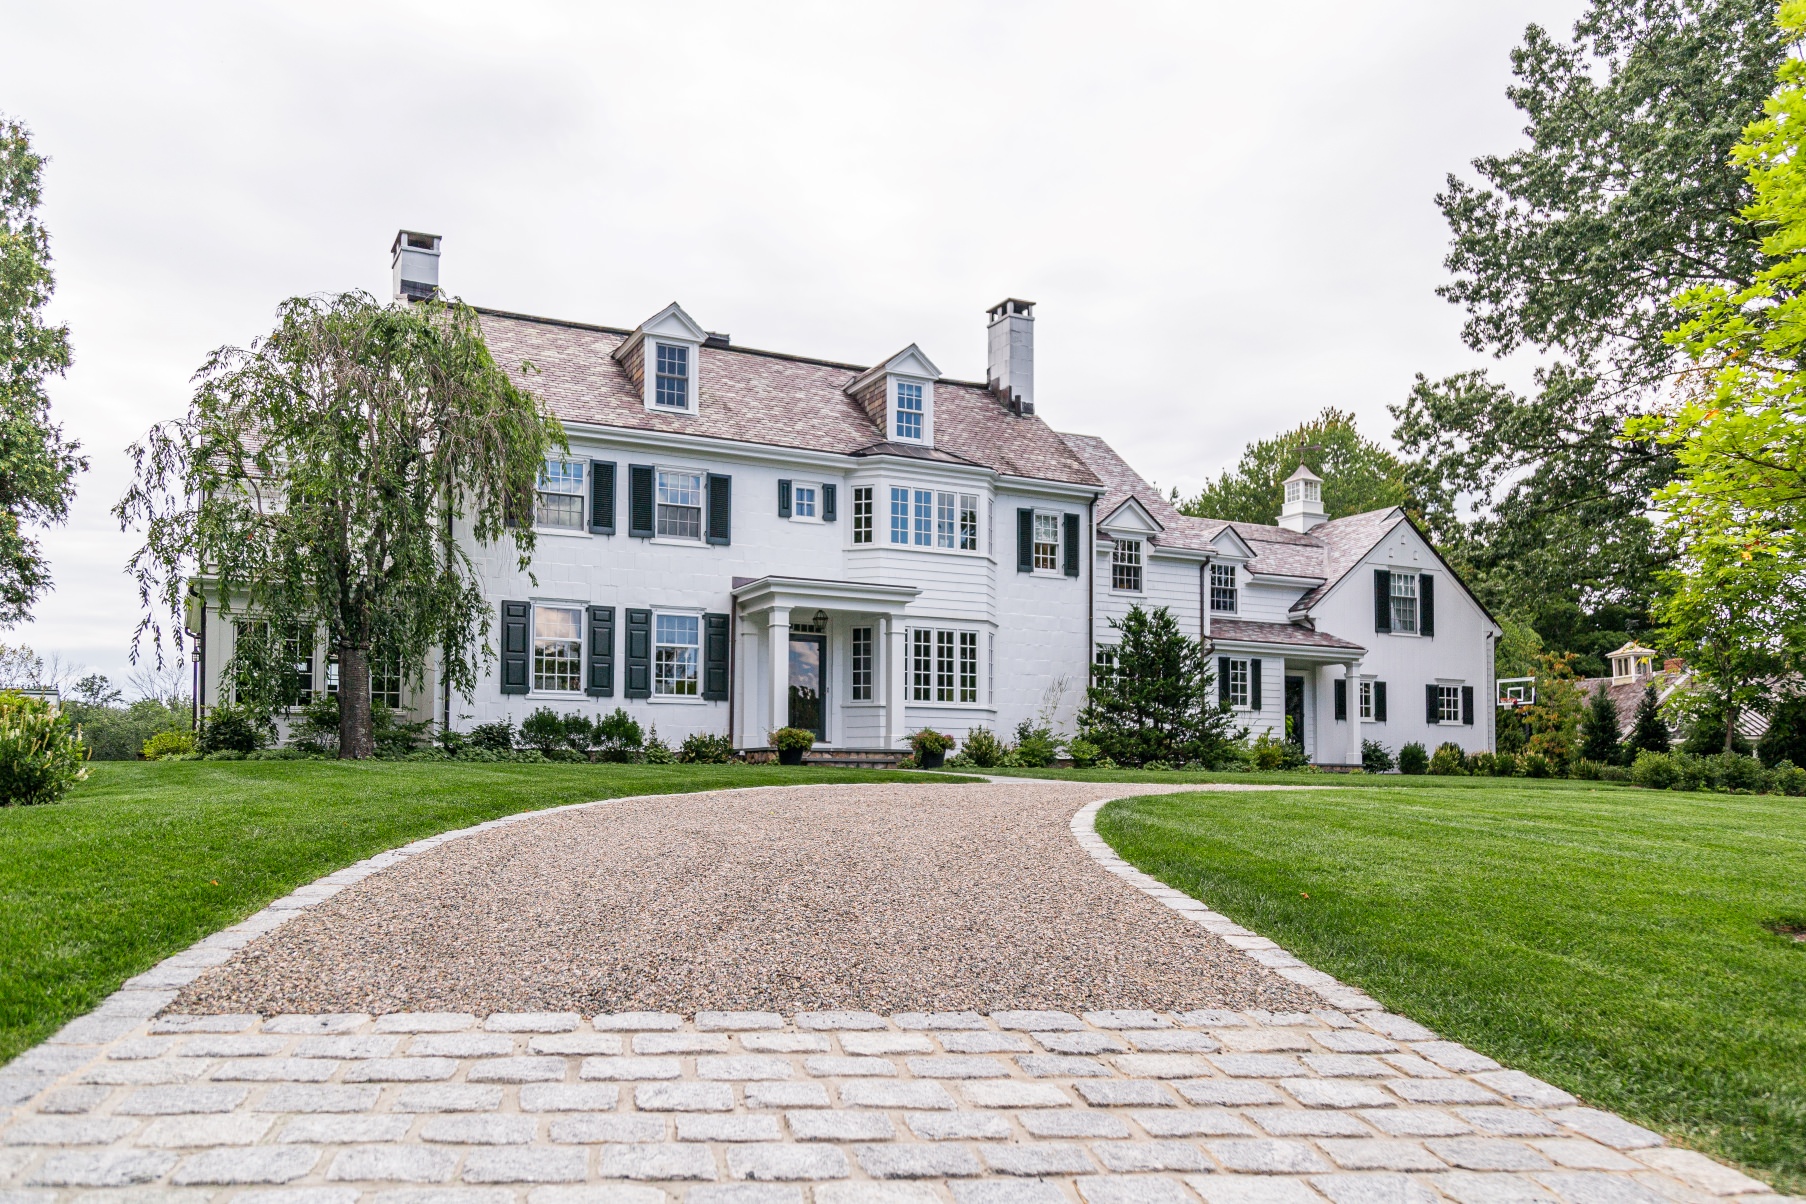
[295, 652]
[672, 388]
[802, 501]
[1222, 588]
[559, 499]
[680, 504]
[1240, 692]
[385, 676]
[1367, 700]
[909, 410]
[899, 514]
[944, 520]
[862, 514]
[675, 652]
[968, 522]
[924, 517]
[1125, 565]
[862, 664]
[1448, 704]
[1103, 666]
[943, 666]
[1047, 541]
[1404, 602]
[557, 648]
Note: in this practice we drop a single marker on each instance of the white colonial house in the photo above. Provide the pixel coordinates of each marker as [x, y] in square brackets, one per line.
[741, 540]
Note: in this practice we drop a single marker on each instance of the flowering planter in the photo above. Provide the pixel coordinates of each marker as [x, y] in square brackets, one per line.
[932, 760]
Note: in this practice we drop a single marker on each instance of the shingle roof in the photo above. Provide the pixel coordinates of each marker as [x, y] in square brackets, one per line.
[762, 397]
[1122, 483]
[1345, 541]
[1244, 631]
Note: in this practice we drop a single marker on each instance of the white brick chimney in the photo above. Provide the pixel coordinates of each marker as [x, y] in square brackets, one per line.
[1012, 344]
[414, 263]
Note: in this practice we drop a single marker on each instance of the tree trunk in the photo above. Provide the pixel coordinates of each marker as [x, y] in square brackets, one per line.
[355, 739]
[1730, 724]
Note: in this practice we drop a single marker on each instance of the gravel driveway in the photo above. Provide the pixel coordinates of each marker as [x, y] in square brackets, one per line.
[886, 898]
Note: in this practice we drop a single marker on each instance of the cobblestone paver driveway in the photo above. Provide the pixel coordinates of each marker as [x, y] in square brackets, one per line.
[1337, 1101]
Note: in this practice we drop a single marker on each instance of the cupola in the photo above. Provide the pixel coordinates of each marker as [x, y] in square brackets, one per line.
[1303, 507]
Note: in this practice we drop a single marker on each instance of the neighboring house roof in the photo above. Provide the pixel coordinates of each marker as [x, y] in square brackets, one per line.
[1628, 695]
[1244, 631]
[763, 397]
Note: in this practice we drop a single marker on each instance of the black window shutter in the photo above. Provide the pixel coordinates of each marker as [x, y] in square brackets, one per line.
[783, 499]
[1379, 702]
[639, 501]
[714, 657]
[1254, 684]
[1467, 705]
[1025, 541]
[600, 678]
[601, 497]
[1382, 600]
[829, 503]
[1432, 705]
[721, 509]
[516, 616]
[1070, 522]
[1223, 679]
[1426, 604]
[638, 680]
[1341, 698]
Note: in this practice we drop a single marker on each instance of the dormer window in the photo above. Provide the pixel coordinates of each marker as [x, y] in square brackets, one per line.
[672, 388]
[909, 411]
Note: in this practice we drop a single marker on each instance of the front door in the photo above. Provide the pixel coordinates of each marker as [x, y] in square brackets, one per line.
[1295, 710]
[808, 681]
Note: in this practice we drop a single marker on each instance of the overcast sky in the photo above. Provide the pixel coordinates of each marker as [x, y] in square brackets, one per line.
[1223, 210]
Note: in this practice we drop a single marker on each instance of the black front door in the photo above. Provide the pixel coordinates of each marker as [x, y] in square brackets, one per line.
[1295, 710]
[808, 678]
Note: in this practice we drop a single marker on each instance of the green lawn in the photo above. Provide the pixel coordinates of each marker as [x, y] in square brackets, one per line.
[145, 859]
[1619, 943]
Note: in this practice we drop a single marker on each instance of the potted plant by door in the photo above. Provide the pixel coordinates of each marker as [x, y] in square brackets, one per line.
[930, 748]
[792, 743]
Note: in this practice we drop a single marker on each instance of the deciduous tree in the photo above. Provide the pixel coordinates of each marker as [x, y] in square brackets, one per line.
[330, 473]
[1358, 474]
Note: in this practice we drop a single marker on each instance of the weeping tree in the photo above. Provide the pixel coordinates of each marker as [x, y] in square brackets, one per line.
[326, 476]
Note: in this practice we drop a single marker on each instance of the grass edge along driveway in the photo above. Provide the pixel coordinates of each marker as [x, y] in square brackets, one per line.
[1615, 942]
[144, 859]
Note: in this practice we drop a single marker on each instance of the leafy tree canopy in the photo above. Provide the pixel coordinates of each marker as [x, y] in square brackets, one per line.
[327, 476]
[1358, 474]
[1571, 247]
[37, 464]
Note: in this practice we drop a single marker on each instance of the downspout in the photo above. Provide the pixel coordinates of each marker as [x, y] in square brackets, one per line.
[1091, 593]
[200, 668]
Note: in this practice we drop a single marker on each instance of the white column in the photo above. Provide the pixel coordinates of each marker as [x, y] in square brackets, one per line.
[1353, 673]
[778, 640]
[896, 678]
[746, 675]
[1329, 749]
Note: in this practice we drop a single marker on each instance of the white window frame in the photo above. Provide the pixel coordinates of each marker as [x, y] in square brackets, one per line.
[931, 520]
[1364, 695]
[1232, 587]
[1103, 664]
[943, 667]
[1448, 704]
[893, 390]
[1406, 604]
[1126, 561]
[692, 354]
[862, 662]
[805, 496]
[659, 473]
[694, 695]
[567, 485]
[1241, 683]
[576, 664]
[1054, 518]
[865, 516]
[385, 669]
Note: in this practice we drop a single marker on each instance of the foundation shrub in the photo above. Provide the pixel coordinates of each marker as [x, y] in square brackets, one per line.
[983, 749]
[704, 749]
[493, 737]
[1413, 758]
[1376, 757]
[1449, 760]
[619, 737]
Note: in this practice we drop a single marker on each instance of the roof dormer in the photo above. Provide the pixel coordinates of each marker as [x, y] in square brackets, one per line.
[663, 359]
[1131, 520]
[899, 395]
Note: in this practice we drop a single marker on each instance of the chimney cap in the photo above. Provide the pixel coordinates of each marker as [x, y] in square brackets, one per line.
[414, 240]
[1012, 307]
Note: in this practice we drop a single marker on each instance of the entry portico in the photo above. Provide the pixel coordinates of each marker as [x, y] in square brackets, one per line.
[829, 656]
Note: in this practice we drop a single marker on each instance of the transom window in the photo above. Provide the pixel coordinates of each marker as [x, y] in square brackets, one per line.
[925, 518]
[1047, 541]
[802, 501]
[909, 410]
[1125, 565]
[557, 648]
[1404, 602]
[862, 514]
[1448, 704]
[1239, 678]
[680, 504]
[675, 652]
[559, 500]
[943, 666]
[862, 663]
[1367, 700]
[1223, 588]
[672, 388]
